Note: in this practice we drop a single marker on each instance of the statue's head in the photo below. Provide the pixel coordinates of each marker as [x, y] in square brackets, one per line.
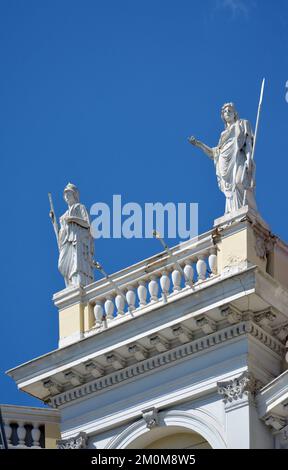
[71, 194]
[229, 113]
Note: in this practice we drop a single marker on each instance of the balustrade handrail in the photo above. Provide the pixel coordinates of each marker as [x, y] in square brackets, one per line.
[145, 268]
[139, 285]
[150, 280]
[24, 426]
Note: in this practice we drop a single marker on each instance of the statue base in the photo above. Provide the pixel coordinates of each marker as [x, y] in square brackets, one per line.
[243, 213]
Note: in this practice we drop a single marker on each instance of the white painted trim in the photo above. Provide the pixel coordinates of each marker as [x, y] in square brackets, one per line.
[70, 339]
[196, 421]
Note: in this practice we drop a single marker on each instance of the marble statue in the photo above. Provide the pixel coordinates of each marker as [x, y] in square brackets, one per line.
[235, 169]
[76, 246]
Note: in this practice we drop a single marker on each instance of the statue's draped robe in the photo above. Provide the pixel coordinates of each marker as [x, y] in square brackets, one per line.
[235, 179]
[76, 248]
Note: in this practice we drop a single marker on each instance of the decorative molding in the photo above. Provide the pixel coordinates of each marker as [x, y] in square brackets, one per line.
[265, 338]
[282, 332]
[235, 389]
[167, 357]
[182, 333]
[78, 442]
[52, 386]
[194, 420]
[151, 417]
[206, 325]
[264, 241]
[260, 247]
[265, 318]
[282, 438]
[116, 361]
[138, 352]
[159, 343]
[276, 422]
[94, 369]
[74, 378]
[231, 314]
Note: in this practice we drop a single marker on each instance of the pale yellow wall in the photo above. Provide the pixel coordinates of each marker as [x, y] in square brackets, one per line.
[71, 320]
[179, 441]
[238, 247]
[253, 257]
[88, 317]
[278, 264]
[52, 433]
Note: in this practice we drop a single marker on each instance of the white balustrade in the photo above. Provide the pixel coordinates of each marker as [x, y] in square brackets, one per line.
[109, 308]
[142, 293]
[201, 268]
[153, 289]
[188, 272]
[120, 304]
[8, 432]
[23, 429]
[131, 298]
[212, 261]
[187, 269]
[36, 434]
[176, 279]
[98, 313]
[21, 433]
[165, 284]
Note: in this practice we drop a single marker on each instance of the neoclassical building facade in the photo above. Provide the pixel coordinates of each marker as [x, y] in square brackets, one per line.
[181, 351]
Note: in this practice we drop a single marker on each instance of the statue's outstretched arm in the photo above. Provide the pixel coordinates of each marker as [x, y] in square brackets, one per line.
[207, 150]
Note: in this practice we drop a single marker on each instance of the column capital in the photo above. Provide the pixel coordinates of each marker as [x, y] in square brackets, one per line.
[235, 390]
[77, 442]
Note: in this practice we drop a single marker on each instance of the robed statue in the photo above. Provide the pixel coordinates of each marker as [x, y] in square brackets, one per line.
[75, 243]
[233, 159]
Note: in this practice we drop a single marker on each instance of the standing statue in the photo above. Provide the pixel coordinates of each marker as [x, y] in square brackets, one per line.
[233, 159]
[76, 247]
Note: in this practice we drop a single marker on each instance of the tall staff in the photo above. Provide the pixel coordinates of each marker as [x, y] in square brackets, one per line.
[53, 218]
[255, 138]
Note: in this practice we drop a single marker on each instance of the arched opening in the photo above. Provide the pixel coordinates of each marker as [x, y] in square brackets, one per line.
[176, 429]
[172, 437]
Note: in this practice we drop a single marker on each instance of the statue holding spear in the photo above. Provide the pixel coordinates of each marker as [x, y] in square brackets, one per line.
[234, 158]
[75, 243]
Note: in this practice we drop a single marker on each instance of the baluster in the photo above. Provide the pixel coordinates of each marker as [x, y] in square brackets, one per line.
[189, 272]
[131, 298]
[98, 313]
[35, 432]
[165, 284]
[153, 289]
[176, 279]
[142, 293]
[212, 260]
[109, 307]
[21, 433]
[120, 304]
[8, 432]
[201, 268]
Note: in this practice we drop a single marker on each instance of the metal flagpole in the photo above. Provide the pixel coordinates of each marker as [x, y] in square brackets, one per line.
[3, 440]
[255, 134]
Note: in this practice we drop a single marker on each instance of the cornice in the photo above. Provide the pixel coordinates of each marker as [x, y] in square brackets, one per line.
[169, 356]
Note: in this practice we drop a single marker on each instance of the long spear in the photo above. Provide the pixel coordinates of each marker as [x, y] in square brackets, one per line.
[255, 135]
[53, 218]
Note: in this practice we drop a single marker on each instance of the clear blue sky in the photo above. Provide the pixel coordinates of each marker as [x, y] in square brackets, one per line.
[104, 93]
